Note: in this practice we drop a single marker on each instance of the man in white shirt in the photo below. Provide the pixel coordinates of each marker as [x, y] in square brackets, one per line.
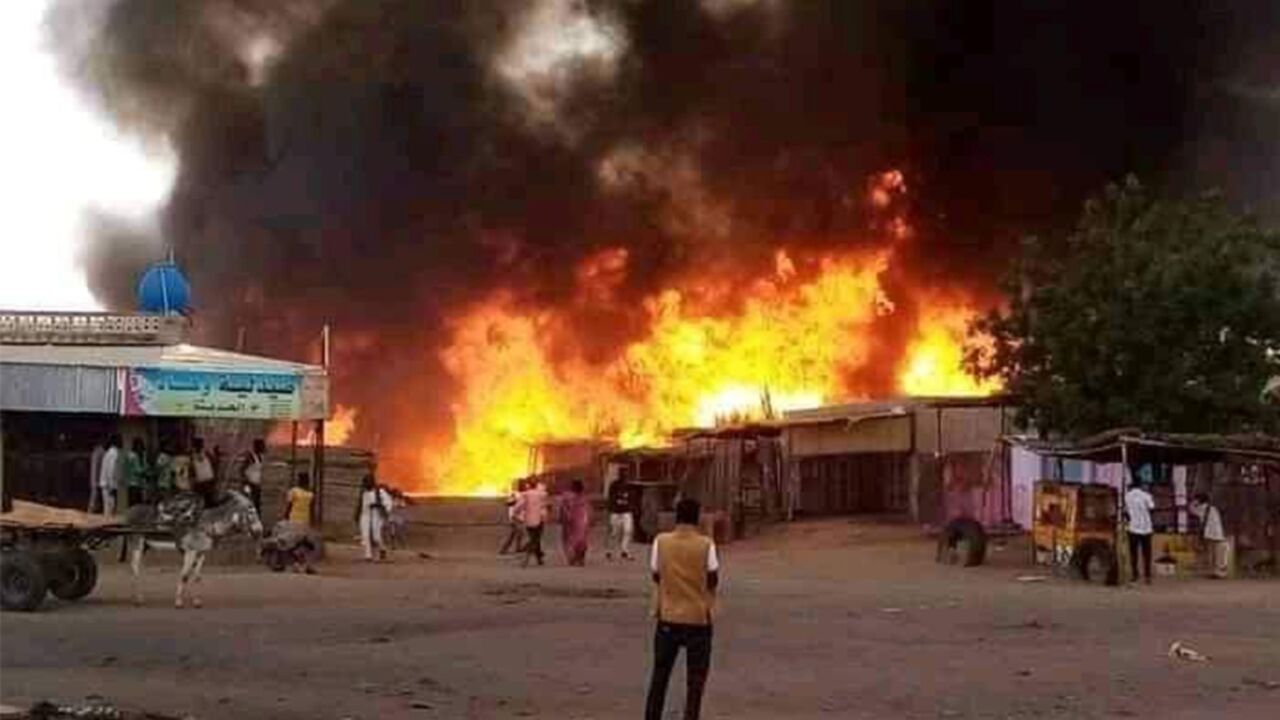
[1138, 505]
[531, 508]
[1214, 536]
[109, 475]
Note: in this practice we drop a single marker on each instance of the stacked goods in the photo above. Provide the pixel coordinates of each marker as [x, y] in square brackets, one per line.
[344, 467]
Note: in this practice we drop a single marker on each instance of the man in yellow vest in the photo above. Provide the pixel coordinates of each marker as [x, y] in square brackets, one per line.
[687, 572]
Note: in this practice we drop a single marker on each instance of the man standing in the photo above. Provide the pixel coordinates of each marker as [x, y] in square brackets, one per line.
[109, 475]
[251, 472]
[687, 572]
[531, 508]
[621, 525]
[1214, 537]
[1138, 505]
[205, 481]
[95, 475]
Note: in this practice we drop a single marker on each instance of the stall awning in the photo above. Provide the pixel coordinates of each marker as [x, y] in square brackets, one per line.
[176, 380]
[1143, 447]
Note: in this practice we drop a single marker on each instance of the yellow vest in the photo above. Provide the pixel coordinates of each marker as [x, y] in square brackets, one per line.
[682, 595]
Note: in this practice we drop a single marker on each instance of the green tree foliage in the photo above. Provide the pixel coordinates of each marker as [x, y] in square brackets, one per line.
[1157, 314]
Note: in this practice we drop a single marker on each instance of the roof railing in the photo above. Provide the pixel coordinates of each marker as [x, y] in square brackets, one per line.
[77, 328]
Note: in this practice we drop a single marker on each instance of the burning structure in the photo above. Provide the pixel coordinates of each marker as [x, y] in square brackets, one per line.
[605, 218]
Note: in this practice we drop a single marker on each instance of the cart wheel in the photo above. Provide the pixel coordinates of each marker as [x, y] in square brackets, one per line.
[1095, 561]
[963, 542]
[77, 576]
[22, 581]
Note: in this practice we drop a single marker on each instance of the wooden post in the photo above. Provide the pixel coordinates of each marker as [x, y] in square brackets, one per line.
[317, 471]
[318, 446]
[6, 502]
[1122, 548]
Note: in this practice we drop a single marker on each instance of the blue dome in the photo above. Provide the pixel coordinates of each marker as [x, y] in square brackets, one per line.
[164, 290]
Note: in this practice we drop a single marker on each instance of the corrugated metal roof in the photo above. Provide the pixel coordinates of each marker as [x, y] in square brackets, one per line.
[888, 406]
[183, 356]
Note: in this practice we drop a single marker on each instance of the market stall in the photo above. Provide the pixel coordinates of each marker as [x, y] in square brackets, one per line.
[1240, 474]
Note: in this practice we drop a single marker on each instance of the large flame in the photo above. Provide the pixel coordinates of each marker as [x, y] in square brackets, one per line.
[790, 344]
[934, 365]
[728, 349]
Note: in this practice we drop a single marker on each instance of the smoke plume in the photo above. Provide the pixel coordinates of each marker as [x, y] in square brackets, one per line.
[377, 164]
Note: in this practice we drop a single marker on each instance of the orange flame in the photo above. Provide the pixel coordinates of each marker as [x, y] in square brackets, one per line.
[792, 343]
[337, 430]
[934, 360]
[726, 349]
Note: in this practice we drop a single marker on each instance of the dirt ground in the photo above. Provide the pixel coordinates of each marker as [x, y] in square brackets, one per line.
[819, 619]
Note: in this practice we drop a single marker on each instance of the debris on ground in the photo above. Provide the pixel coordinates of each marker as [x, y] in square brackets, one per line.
[1032, 578]
[45, 710]
[517, 592]
[891, 610]
[1182, 652]
[1265, 684]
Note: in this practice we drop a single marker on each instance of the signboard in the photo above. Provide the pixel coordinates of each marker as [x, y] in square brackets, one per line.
[190, 393]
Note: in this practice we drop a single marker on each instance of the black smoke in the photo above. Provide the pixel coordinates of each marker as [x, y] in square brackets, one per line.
[378, 171]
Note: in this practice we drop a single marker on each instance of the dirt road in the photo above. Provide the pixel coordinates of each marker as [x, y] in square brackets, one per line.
[830, 619]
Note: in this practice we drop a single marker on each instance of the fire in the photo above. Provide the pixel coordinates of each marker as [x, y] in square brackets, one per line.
[792, 342]
[934, 361]
[337, 429]
[718, 347]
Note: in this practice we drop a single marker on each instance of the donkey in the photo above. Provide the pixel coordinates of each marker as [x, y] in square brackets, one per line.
[184, 524]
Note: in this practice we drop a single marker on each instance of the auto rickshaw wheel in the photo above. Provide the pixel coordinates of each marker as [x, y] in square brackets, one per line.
[1095, 561]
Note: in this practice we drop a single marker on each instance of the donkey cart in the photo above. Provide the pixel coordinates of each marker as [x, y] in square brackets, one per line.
[45, 550]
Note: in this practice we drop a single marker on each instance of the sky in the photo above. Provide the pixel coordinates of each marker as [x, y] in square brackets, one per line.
[59, 160]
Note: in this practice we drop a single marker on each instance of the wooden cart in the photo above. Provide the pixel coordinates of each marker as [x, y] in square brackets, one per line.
[45, 551]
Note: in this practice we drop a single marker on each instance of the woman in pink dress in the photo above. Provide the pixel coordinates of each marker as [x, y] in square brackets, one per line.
[575, 519]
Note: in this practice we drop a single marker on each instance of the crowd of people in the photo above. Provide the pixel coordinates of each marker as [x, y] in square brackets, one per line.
[530, 507]
[121, 476]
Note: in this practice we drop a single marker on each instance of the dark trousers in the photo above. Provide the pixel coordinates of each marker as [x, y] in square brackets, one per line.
[533, 548]
[515, 539]
[1140, 543]
[255, 494]
[667, 641]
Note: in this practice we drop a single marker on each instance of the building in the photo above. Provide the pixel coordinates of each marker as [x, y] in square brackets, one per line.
[70, 380]
[930, 459]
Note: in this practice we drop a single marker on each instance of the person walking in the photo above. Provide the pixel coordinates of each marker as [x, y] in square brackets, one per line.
[109, 475]
[531, 508]
[251, 472]
[372, 515]
[621, 502]
[1138, 505]
[575, 520]
[686, 570]
[515, 528]
[1214, 537]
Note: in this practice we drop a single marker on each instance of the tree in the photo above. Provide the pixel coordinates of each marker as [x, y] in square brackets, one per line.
[1156, 314]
